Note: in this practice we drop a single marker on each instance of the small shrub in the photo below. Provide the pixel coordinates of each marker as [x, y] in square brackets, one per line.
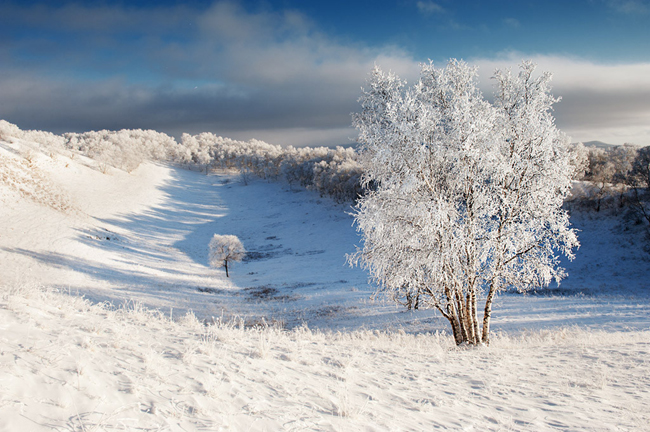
[225, 249]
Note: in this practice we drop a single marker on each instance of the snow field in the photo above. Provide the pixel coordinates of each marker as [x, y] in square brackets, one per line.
[68, 364]
[129, 357]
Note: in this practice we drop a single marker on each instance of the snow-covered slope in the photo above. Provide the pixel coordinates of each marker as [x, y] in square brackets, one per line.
[52, 213]
[573, 357]
[69, 366]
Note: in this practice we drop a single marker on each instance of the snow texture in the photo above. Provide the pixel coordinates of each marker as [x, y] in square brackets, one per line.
[294, 340]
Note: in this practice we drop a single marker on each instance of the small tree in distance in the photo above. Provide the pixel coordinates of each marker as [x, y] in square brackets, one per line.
[467, 194]
[225, 249]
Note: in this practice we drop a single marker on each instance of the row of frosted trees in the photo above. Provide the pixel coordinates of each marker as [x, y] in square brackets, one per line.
[333, 172]
[612, 176]
[124, 149]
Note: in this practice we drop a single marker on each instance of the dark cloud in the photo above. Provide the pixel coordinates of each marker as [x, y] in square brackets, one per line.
[99, 18]
[113, 104]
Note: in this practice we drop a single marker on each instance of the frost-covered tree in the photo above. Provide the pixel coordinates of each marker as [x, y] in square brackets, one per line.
[639, 180]
[125, 149]
[8, 130]
[579, 160]
[640, 171]
[224, 249]
[608, 171]
[600, 173]
[467, 195]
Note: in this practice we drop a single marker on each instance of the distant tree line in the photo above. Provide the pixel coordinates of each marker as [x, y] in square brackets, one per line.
[331, 172]
[616, 176]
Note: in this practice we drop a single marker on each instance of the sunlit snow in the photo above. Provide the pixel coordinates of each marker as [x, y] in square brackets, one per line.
[297, 342]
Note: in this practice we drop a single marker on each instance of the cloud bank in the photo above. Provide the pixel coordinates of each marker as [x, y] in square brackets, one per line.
[182, 70]
[267, 74]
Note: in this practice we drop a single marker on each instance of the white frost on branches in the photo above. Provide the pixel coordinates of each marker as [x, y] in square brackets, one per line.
[225, 249]
[467, 194]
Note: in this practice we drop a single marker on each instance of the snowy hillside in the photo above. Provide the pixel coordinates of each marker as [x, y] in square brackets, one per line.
[128, 357]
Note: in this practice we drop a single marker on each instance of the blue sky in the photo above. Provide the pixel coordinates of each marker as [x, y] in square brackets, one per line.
[290, 72]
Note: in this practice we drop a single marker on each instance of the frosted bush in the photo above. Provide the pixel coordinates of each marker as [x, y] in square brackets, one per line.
[30, 182]
[125, 149]
[9, 130]
[48, 140]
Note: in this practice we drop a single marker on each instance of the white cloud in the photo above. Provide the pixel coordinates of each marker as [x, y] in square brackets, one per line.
[629, 6]
[574, 73]
[429, 7]
[512, 22]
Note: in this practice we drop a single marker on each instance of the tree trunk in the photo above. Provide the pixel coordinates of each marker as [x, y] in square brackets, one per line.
[474, 308]
[469, 320]
[487, 314]
[455, 327]
[453, 317]
[225, 264]
[460, 309]
[409, 300]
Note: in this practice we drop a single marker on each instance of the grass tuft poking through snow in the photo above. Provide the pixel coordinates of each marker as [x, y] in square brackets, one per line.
[65, 362]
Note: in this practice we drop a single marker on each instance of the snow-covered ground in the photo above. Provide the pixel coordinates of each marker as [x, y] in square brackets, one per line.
[574, 357]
